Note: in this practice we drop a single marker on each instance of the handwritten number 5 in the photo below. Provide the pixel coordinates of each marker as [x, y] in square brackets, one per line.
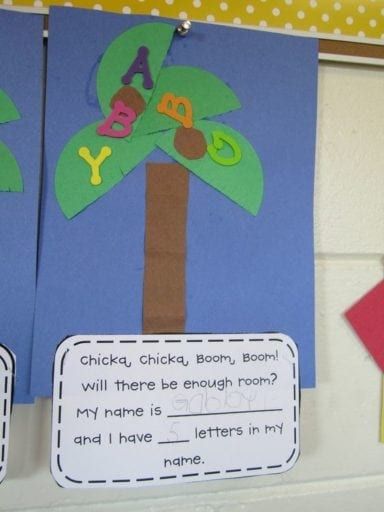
[173, 431]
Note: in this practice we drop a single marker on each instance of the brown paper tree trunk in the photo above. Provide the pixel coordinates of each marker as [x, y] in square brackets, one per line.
[165, 248]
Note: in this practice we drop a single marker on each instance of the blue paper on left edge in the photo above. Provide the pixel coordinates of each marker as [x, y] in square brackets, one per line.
[244, 273]
[21, 64]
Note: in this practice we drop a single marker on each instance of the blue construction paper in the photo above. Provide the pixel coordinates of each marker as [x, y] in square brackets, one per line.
[244, 273]
[21, 64]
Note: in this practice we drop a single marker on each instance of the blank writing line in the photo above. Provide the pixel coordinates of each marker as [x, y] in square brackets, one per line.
[173, 442]
[218, 413]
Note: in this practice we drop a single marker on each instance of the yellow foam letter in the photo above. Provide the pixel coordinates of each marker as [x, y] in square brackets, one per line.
[169, 105]
[95, 163]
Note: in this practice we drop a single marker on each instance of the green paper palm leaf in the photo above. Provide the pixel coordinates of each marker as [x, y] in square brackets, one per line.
[157, 37]
[10, 175]
[208, 95]
[241, 182]
[74, 190]
[8, 110]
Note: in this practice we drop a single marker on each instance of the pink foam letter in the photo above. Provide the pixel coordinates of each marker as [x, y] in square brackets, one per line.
[122, 115]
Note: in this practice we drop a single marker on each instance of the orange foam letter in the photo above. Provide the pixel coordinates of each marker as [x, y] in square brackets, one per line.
[170, 104]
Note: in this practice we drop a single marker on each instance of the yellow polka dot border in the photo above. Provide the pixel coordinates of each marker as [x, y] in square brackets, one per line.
[347, 18]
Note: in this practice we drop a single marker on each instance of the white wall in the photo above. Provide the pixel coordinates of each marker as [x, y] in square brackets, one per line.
[342, 463]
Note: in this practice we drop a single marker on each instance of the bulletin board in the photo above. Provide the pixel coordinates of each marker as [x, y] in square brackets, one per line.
[346, 18]
[339, 424]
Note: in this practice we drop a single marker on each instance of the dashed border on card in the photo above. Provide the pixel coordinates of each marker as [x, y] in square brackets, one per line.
[7, 364]
[68, 343]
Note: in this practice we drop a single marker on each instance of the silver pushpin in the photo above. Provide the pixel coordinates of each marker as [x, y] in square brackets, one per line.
[184, 28]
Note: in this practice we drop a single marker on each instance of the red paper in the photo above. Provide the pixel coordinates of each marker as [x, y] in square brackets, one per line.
[367, 319]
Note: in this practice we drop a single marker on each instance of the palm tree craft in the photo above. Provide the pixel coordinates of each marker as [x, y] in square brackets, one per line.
[147, 106]
[10, 175]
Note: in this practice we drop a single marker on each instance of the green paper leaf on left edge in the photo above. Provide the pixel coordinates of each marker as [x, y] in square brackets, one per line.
[8, 110]
[121, 53]
[208, 94]
[10, 175]
[74, 190]
[241, 182]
